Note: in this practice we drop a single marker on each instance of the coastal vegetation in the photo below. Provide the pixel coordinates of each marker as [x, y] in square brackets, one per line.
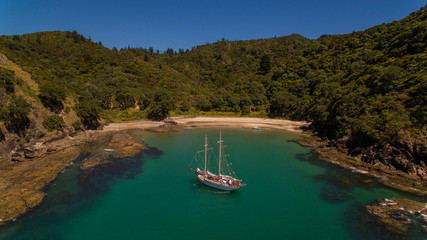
[53, 122]
[364, 90]
[52, 96]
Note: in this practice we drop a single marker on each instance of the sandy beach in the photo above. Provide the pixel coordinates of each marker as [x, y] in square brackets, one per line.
[210, 122]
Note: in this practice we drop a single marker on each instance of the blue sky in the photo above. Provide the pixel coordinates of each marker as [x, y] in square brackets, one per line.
[183, 24]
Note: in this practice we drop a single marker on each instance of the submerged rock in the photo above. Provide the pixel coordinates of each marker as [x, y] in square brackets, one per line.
[335, 195]
[90, 163]
[125, 144]
[341, 182]
[366, 181]
[95, 180]
[397, 214]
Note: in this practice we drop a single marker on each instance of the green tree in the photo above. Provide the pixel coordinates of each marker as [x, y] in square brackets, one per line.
[88, 110]
[417, 104]
[126, 98]
[15, 115]
[170, 51]
[282, 104]
[265, 64]
[161, 105]
[54, 122]
[38, 39]
[77, 125]
[7, 80]
[52, 96]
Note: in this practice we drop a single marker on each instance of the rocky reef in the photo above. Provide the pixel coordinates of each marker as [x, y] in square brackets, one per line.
[90, 163]
[394, 166]
[125, 144]
[398, 215]
[120, 145]
[23, 182]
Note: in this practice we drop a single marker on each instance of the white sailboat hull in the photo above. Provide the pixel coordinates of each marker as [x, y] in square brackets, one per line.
[213, 184]
[218, 181]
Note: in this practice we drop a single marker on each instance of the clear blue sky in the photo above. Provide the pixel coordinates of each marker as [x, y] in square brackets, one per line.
[187, 23]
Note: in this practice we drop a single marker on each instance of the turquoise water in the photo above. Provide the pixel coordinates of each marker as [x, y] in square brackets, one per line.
[289, 195]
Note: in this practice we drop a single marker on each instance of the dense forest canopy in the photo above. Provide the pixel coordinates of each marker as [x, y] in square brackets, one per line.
[367, 87]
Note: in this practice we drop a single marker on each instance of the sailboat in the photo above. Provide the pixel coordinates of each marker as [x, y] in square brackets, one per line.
[221, 180]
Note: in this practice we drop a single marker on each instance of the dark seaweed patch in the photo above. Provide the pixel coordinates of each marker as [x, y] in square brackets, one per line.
[153, 152]
[96, 180]
[334, 195]
[342, 182]
[63, 197]
[314, 158]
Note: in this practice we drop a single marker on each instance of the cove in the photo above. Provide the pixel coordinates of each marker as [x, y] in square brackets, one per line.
[290, 194]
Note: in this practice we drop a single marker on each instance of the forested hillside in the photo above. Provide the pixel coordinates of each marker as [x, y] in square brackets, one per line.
[367, 85]
[367, 89]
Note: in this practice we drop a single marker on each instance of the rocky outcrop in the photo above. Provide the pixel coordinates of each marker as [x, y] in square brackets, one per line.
[397, 215]
[407, 156]
[90, 163]
[35, 150]
[125, 144]
[22, 183]
[366, 161]
[404, 158]
[167, 127]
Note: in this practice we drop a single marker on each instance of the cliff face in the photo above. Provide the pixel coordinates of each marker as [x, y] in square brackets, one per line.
[405, 154]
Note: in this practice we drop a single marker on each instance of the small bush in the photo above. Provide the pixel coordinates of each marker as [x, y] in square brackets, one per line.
[7, 80]
[15, 114]
[54, 122]
[246, 110]
[77, 125]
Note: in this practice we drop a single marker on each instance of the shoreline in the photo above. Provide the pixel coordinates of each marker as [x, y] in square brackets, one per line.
[179, 123]
[23, 184]
[392, 178]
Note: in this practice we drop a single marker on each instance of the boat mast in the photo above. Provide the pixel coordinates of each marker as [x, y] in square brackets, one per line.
[220, 148]
[206, 150]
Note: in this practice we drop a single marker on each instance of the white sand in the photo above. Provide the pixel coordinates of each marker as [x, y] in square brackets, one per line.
[210, 122]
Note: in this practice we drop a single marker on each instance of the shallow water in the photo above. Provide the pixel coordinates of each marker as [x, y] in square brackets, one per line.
[289, 195]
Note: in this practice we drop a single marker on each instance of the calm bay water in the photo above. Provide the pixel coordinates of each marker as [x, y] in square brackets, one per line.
[289, 195]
